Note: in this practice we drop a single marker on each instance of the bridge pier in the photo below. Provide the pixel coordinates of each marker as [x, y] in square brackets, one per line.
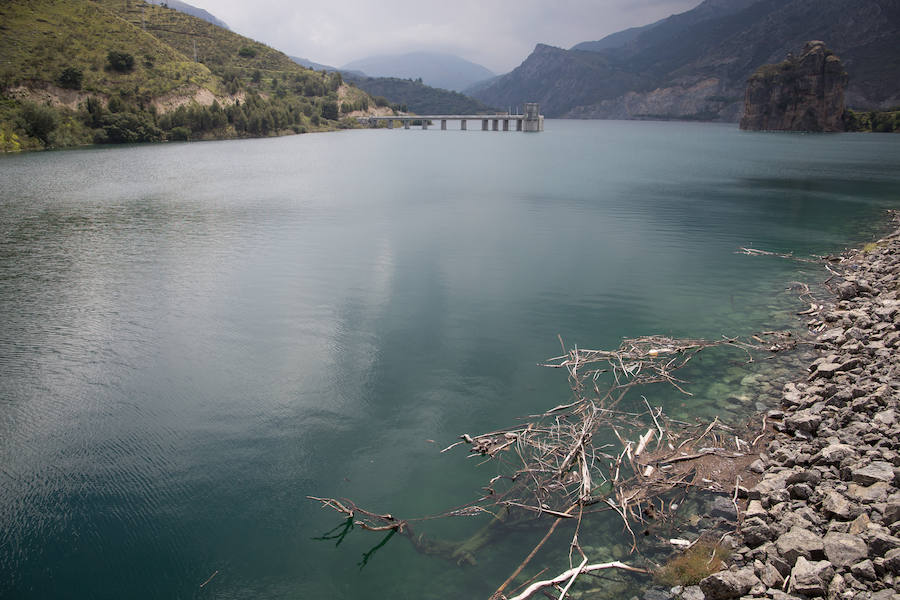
[530, 120]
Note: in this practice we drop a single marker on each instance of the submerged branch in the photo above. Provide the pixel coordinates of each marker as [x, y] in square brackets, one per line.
[559, 462]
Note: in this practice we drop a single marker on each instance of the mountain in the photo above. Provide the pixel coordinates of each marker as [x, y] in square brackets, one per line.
[615, 40]
[695, 65]
[305, 62]
[415, 96]
[105, 71]
[192, 10]
[435, 69]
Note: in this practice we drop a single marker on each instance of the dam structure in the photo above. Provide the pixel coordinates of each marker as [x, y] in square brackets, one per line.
[531, 120]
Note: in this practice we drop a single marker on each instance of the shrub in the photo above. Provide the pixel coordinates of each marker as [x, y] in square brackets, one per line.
[247, 52]
[129, 127]
[39, 121]
[71, 78]
[180, 134]
[93, 112]
[121, 62]
[688, 568]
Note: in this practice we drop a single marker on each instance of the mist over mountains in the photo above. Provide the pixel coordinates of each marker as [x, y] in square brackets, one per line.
[434, 68]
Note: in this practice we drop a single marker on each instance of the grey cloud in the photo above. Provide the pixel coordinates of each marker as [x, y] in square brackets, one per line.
[498, 34]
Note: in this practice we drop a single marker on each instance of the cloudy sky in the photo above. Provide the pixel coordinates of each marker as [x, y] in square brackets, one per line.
[498, 34]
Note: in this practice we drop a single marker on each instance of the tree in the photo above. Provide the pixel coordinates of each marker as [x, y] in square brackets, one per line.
[39, 121]
[330, 111]
[129, 128]
[94, 112]
[71, 78]
[121, 62]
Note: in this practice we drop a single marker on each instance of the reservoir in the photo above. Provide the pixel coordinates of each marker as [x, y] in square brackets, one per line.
[196, 337]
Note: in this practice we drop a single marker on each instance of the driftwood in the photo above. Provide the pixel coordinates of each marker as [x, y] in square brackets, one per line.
[588, 455]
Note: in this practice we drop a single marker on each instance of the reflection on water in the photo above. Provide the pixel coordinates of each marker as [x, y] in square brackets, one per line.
[196, 336]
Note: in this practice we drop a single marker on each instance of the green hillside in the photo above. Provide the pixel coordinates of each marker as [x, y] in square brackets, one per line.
[93, 71]
[415, 96]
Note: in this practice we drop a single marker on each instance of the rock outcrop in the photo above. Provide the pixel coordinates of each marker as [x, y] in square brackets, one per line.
[804, 93]
[695, 65]
[824, 521]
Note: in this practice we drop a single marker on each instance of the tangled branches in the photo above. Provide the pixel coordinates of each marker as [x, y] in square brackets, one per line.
[590, 456]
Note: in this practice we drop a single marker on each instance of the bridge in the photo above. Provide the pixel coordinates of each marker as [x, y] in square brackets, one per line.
[532, 120]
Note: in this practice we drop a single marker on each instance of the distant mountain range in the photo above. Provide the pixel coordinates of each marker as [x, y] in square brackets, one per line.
[695, 65]
[192, 10]
[434, 69]
[415, 96]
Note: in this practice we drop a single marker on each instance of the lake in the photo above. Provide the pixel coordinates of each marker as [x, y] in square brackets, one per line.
[195, 337]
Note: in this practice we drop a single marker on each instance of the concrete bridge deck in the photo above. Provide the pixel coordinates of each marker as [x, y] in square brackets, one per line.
[532, 120]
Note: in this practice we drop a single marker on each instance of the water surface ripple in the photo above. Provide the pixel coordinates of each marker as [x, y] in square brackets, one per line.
[193, 337]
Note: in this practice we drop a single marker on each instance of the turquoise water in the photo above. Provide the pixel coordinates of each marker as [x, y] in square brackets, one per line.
[195, 337]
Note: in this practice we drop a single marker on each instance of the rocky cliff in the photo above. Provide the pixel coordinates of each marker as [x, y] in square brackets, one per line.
[695, 65]
[804, 93]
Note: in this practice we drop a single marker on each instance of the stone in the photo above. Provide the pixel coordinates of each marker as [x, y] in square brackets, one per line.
[881, 543]
[832, 336]
[873, 473]
[836, 505]
[892, 512]
[844, 549]
[811, 578]
[692, 592]
[810, 476]
[723, 507]
[756, 532]
[837, 587]
[769, 575]
[827, 369]
[799, 542]
[860, 524]
[725, 585]
[892, 561]
[864, 569]
[755, 509]
[877, 492]
[834, 453]
[807, 420]
[886, 417]
[800, 491]
[657, 594]
[847, 290]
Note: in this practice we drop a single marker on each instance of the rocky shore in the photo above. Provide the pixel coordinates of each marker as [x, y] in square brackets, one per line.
[824, 519]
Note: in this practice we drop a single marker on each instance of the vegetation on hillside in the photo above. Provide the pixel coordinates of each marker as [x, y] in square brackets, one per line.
[415, 96]
[108, 71]
[872, 121]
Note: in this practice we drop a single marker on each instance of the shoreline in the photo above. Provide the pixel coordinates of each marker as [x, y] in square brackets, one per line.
[824, 518]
